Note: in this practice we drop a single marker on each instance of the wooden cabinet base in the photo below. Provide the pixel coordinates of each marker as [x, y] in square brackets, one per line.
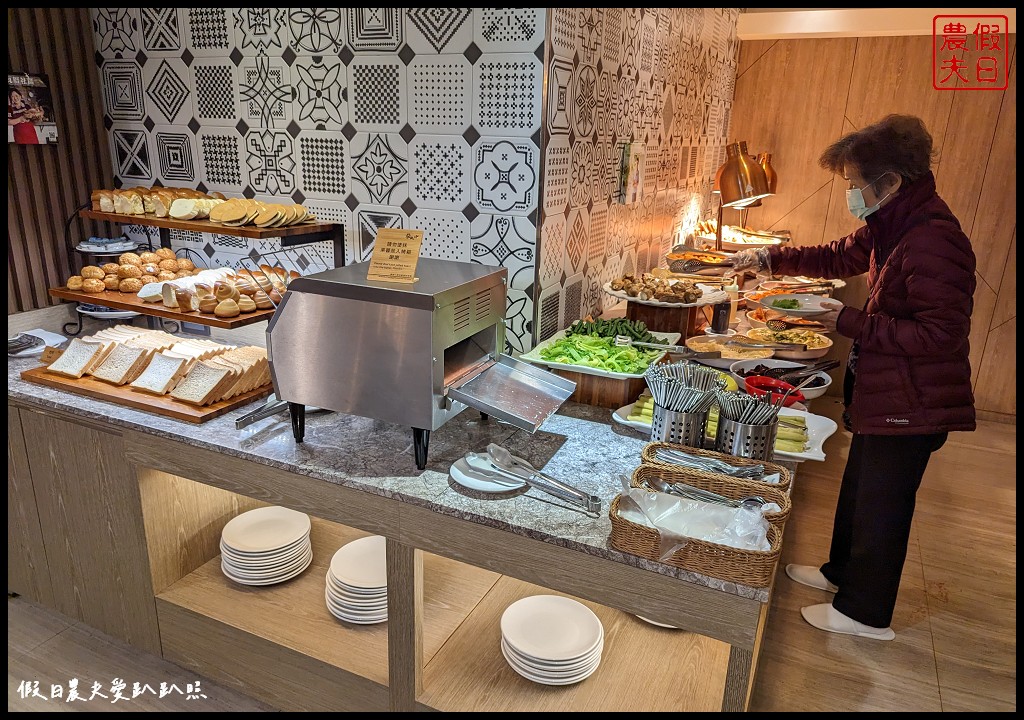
[687, 321]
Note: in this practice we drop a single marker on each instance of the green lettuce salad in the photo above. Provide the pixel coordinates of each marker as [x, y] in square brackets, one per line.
[601, 353]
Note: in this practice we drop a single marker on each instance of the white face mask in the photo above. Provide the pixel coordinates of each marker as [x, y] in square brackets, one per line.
[855, 200]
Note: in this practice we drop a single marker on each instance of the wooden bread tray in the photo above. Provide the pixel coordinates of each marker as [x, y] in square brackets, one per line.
[313, 228]
[158, 404]
[132, 302]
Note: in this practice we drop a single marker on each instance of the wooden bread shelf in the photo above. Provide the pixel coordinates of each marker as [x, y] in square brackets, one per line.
[290, 621]
[158, 404]
[302, 233]
[635, 674]
[132, 302]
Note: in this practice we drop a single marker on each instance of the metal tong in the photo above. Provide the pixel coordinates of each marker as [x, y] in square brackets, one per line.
[736, 342]
[508, 464]
[623, 341]
[809, 370]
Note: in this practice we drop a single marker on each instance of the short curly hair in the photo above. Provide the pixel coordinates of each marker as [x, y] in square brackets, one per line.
[898, 144]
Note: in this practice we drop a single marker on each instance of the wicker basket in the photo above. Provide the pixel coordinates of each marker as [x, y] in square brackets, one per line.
[754, 568]
[730, 487]
[650, 458]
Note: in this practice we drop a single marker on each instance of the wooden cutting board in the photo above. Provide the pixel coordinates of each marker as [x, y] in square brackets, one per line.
[158, 404]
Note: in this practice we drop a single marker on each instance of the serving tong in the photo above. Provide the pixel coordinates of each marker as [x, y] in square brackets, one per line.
[498, 461]
[810, 370]
[624, 341]
[783, 324]
[713, 465]
[690, 492]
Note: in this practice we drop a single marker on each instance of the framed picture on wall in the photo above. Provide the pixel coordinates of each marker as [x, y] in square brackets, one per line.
[30, 119]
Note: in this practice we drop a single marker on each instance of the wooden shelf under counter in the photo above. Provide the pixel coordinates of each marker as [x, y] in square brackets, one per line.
[644, 668]
[226, 630]
[133, 303]
[302, 233]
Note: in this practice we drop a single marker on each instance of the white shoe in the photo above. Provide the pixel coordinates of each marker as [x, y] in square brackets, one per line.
[810, 576]
[827, 618]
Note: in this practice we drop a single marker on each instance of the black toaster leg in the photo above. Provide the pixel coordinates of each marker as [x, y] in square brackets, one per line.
[298, 415]
[420, 440]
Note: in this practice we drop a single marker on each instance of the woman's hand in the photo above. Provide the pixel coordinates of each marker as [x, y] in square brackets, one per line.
[755, 259]
[830, 318]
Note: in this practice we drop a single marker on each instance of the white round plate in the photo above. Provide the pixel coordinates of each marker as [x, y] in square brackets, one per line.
[108, 314]
[264, 554]
[551, 627]
[271, 558]
[810, 305]
[356, 609]
[362, 563]
[274, 581]
[573, 674]
[265, 529]
[357, 602]
[266, 568]
[462, 473]
[354, 591]
[268, 573]
[544, 668]
[547, 679]
[662, 625]
[621, 416]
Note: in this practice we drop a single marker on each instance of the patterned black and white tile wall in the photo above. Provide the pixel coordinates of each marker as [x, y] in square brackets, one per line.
[371, 117]
[659, 76]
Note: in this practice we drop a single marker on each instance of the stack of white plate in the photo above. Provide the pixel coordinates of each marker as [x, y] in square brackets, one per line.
[357, 582]
[551, 640]
[266, 546]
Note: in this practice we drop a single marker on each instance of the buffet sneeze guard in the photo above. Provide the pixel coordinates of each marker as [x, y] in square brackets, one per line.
[411, 354]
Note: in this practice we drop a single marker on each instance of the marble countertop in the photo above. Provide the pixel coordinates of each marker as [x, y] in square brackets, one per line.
[579, 445]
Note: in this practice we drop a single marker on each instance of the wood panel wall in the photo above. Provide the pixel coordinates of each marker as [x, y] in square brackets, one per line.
[794, 97]
[45, 183]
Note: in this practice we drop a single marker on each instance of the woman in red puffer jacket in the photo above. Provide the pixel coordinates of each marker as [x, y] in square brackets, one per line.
[908, 380]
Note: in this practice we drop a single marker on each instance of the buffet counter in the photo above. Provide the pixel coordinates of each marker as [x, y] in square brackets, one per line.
[114, 519]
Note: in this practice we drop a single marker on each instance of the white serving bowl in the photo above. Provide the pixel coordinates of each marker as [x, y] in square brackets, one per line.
[747, 365]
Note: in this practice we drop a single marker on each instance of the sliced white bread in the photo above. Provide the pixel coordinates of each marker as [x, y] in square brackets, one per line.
[161, 374]
[122, 365]
[199, 385]
[100, 356]
[76, 358]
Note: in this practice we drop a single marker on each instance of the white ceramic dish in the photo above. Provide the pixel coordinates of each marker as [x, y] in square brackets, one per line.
[462, 473]
[548, 679]
[712, 296]
[534, 357]
[661, 625]
[808, 393]
[269, 573]
[362, 563]
[819, 429]
[273, 581]
[108, 314]
[553, 673]
[545, 667]
[810, 305]
[354, 591]
[265, 529]
[795, 354]
[551, 627]
[266, 563]
[290, 549]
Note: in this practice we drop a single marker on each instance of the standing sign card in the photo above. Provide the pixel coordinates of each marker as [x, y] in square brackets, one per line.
[29, 110]
[395, 255]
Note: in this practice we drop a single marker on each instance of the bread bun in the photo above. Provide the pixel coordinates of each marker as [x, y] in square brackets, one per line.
[165, 275]
[182, 274]
[246, 286]
[129, 258]
[110, 268]
[111, 282]
[225, 290]
[227, 309]
[75, 282]
[150, 257]
[184, 298]
[130, 285]
[150, 269]
[92, 272]
[275, 296]
[148, 279]
[208, 304]
[129, 271]
[264, 283]
[246, 304]
[186, 264]
[92, 285]
[169, 264]
[165, 253]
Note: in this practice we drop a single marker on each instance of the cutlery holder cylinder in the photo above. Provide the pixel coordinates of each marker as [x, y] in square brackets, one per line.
[678, 427]
[749, 441]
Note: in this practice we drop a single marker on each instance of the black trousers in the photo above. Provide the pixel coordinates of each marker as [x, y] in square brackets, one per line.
[872, 522]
